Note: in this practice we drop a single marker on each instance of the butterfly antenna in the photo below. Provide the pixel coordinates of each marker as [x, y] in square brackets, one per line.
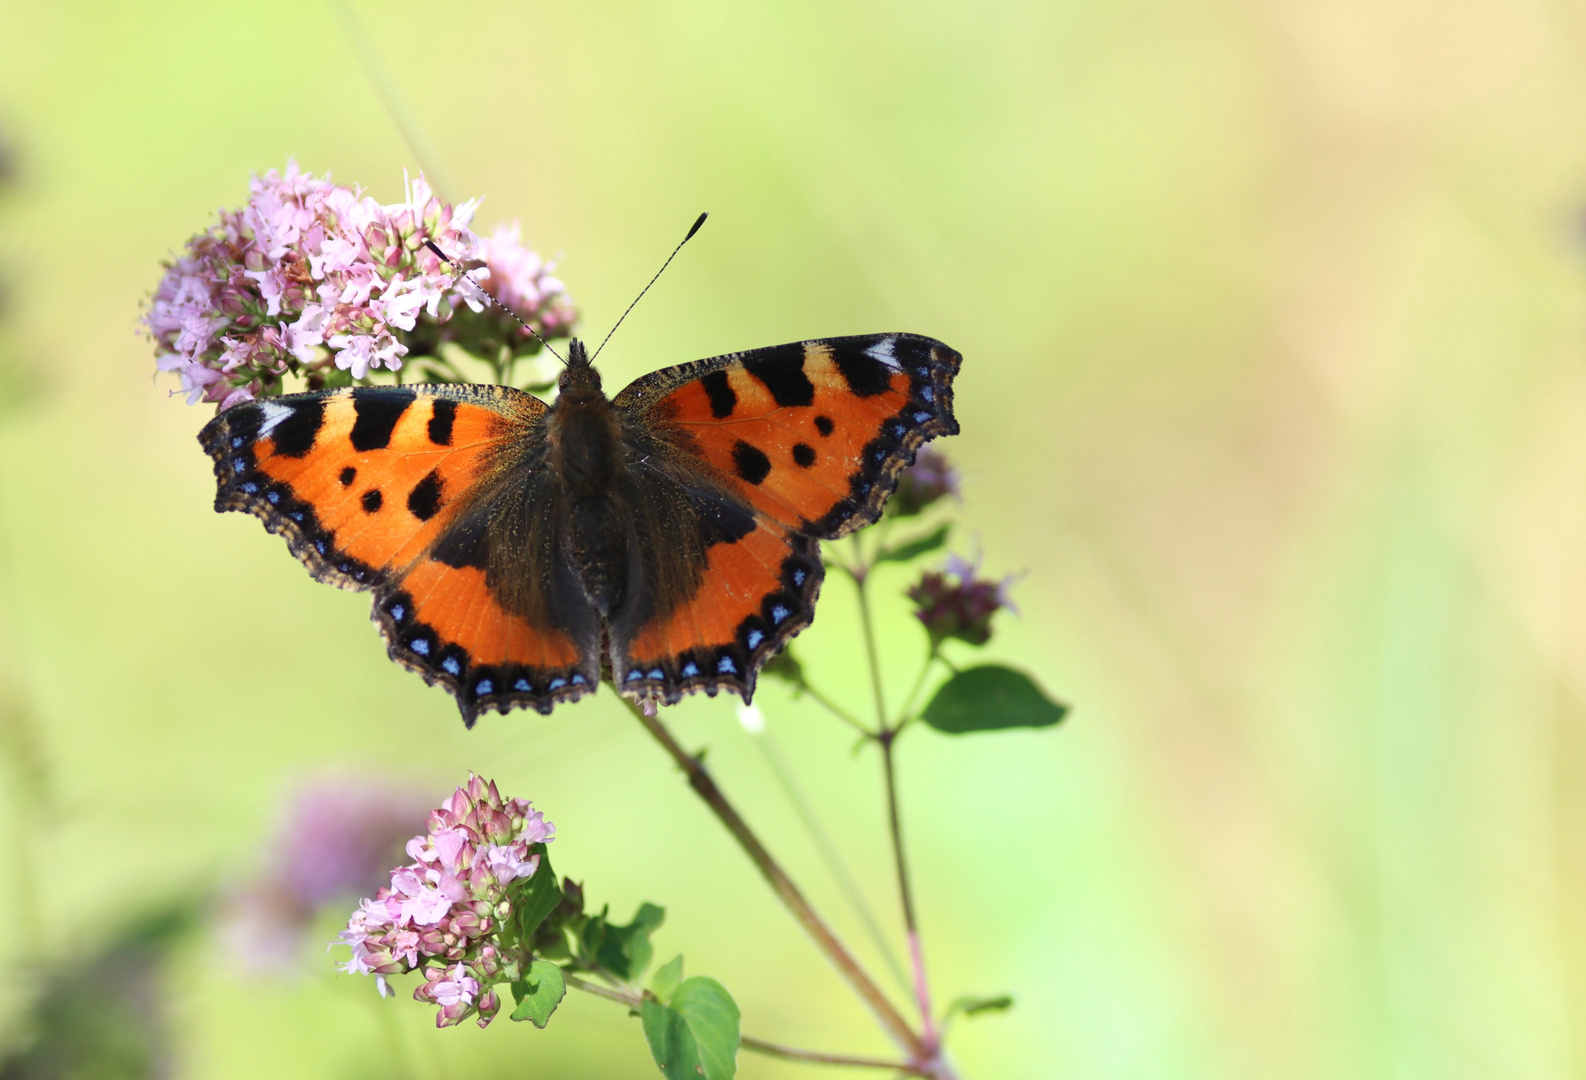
[441, 255]
[697, 223]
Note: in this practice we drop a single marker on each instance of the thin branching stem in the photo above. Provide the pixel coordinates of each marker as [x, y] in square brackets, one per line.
[633, 999]
[835, 709]
[782, 769]
[886, 735]
[704, 786]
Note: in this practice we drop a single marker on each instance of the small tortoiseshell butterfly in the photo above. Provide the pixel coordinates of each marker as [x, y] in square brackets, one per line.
[665, 539]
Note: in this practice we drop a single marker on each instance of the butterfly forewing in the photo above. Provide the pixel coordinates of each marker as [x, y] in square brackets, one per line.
[371, 487]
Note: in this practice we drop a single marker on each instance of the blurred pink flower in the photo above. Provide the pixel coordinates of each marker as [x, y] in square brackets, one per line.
[335, 840]
[439, 915]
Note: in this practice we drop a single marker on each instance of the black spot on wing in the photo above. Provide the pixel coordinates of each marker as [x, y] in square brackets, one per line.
[824, 425]
[294, 436]
[803, 455]
[723, 399]
[781, 369]
[866, 376]
[348, 475]
[441, 419]
[377, 413]
[424, 501]
[750, 462]
[371, 501]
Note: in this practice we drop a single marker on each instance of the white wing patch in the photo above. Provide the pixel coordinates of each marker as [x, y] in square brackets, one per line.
[274, 413]
[882, 351]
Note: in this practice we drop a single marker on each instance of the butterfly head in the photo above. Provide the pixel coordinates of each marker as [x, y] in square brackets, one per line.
[579, 381]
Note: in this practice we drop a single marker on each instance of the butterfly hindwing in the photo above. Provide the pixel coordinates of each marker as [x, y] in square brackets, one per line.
[389, 488]
[717, 588]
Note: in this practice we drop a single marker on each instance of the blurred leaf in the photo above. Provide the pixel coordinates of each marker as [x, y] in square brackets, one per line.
[913, 549]
[535, 897]
[538, 993]
[974, 1006]
[624, 951]
[665, 980]
[696, 1035]
[784, 665]
[991, 698]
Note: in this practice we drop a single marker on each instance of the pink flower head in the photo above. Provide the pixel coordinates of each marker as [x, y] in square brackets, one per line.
[439, 914]
[311, 278]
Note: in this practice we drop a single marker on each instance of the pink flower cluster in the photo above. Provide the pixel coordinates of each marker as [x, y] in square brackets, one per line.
[440, 913]
[310, 277]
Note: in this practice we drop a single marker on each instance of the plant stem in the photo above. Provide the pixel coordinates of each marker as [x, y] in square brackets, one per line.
[907, 714]
[886, 735]
[705, 787]
[922, 993]
[634, 999]
[783, 771]
[816, 1057]
[861, 574]
[835, 709]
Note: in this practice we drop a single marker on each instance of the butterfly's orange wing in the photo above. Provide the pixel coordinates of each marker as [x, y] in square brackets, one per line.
[393, 489]
[808, 439]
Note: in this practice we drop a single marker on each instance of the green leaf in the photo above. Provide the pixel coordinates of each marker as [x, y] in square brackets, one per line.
[623, 951]
[991, 698]
[974, 1006]
[664, 982]
[536, 896]
[913, 549]
[538, 993]
[696, 1036]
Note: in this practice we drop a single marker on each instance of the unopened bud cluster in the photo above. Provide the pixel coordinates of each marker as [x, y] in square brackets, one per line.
[316, 279]
[441, 914]
[929, 480]
[957, 603]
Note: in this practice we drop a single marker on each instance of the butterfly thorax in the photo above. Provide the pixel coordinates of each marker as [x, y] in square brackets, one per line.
[587, 455]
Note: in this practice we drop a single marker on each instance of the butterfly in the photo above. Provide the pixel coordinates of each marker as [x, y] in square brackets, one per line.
[665, 540]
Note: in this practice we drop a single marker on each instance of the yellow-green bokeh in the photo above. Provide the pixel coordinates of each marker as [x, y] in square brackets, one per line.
[1274, 388]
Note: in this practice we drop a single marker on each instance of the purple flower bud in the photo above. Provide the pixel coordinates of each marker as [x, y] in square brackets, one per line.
[930, 479]
[956, 603]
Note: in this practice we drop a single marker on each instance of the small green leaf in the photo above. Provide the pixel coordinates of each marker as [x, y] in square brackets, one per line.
[696, 1036]
[538, 993]
[665, 980]
[624, 951]
[974, 1006]
[991, 698]
[536, 896]
[913, 549]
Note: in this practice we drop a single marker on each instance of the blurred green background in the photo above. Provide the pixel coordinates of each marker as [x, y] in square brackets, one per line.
[1274, 380]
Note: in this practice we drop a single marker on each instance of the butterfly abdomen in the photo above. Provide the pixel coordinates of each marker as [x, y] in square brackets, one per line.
[587, 457]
